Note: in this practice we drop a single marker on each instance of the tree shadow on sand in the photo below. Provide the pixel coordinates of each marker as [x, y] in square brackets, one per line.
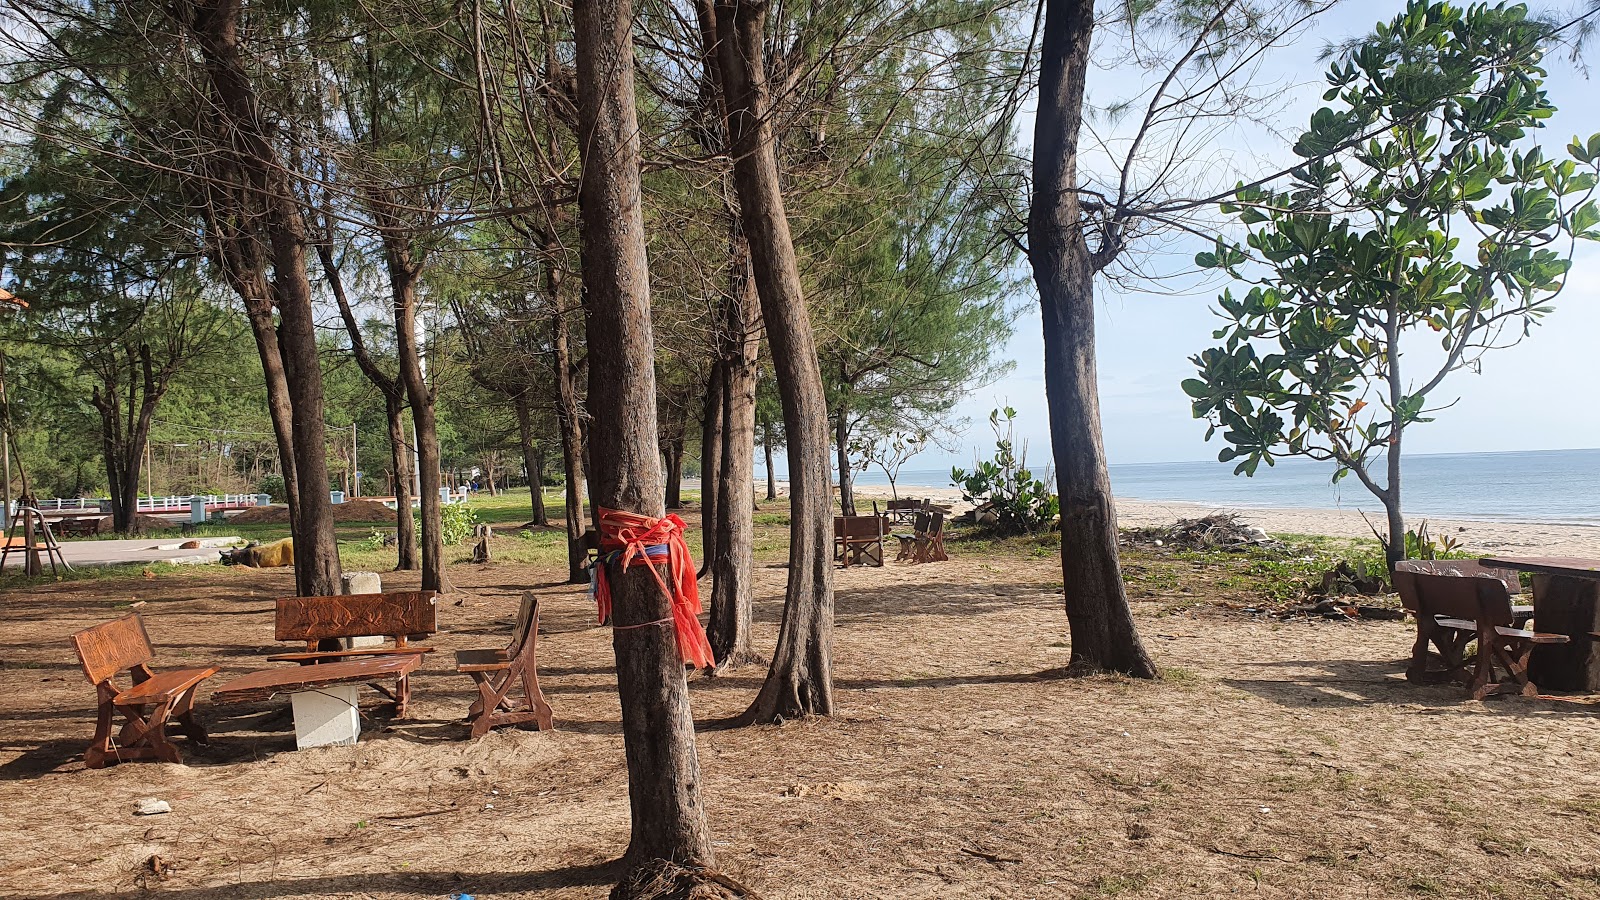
[1349, 683]
[422, 884]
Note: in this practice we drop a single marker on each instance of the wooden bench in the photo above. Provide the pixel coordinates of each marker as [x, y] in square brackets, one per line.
[904, 511]
[1448, 645]
[152, 702]
[326, 624]
[499, 672]
[1480, 608]
[858, 540]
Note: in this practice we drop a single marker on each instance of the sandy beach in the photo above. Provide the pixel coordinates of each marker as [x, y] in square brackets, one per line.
[1523, 538]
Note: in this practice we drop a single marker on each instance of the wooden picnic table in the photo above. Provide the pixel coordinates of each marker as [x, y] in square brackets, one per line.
[267, 683]
[1566, 600]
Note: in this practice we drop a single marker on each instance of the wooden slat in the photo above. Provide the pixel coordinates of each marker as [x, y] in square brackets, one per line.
[400, 613]
[163, 685]
[1576, 567]
[314, 655]
[112, 647]
[264, 684]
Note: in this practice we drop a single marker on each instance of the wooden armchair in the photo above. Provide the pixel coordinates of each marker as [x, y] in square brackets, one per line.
[147, 706]
[500, 672]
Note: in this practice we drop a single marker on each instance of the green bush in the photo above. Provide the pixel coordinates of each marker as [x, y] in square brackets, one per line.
[273, 485]
[1020, 502]
[456, 522]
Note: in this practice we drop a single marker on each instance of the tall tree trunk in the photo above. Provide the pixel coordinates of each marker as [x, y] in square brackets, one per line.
[732, 591]
[531, 459]
[405, 523]
[847, 481]
[800, 680]
[1103, 634]
[674, 486]
[426, 431]
[541, 514]
[259, 311]
[710, 461]
[766, 448]
[1396, 550]
[668, 820]
[569, 421]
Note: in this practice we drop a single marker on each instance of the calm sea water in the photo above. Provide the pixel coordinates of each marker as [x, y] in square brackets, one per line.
[1529, 486]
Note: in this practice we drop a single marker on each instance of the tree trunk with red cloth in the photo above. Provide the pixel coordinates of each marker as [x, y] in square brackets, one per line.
[669, 822]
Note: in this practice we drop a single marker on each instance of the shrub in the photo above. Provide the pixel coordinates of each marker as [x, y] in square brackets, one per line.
[1020, 502]
[456, 522]
[273, 485]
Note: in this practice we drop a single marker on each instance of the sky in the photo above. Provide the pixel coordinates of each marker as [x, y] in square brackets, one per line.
[1535, 396]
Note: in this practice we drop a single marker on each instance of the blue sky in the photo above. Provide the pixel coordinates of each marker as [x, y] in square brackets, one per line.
[1538, 395]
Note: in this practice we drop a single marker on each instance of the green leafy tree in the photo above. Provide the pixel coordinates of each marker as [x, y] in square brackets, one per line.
[1422, 204]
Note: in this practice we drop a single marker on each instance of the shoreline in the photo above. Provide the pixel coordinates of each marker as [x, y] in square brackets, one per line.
[1487, 536]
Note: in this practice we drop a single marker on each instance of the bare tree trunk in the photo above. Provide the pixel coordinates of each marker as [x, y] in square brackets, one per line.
[570, 423]
[668, 820]
[800, 679]
[402, 278]
[674, 487]
[1396, 550]
[847, 481]
[732, 591]
[541, 514]
[265, 191]
[405, 524]
[710, 459]
[1101, 623]
[259, 312]
[766, 448]
[531, 459]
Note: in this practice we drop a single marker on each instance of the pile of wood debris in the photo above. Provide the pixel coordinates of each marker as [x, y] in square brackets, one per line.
[1217, 531]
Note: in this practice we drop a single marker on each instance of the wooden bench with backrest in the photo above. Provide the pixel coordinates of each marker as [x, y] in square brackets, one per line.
[858, 540]
[499, 673]
[152, 702]
[326, 623]
[1448, 644]
[1479, 607]
[904, 510]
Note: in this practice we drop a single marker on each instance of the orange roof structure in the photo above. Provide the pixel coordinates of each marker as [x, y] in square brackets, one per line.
[8, 297]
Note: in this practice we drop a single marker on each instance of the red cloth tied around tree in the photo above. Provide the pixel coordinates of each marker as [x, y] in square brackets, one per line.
[642, 541]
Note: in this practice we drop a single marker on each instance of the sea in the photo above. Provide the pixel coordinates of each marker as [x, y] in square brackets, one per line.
[1546, 486]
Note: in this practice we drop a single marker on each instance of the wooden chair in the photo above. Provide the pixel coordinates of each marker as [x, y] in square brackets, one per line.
[1480, 608]
[928, 542]
[858, 540]
[325, 623]
[1448, 644]
[908, 542]
[498, 673]
[152, 702]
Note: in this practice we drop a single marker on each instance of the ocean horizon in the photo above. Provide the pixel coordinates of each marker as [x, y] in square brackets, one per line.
[1537, 486]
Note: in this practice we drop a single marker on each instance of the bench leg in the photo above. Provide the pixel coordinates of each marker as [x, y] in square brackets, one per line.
[99, 752]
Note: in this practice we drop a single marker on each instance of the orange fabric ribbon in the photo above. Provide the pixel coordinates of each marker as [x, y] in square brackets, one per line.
[642, 541]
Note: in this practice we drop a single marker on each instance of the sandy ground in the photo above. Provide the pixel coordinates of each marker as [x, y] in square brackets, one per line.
[1276, 759]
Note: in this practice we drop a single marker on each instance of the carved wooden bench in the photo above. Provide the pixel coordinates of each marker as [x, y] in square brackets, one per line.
[500, 672]
[326, 624]
[152, 702]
